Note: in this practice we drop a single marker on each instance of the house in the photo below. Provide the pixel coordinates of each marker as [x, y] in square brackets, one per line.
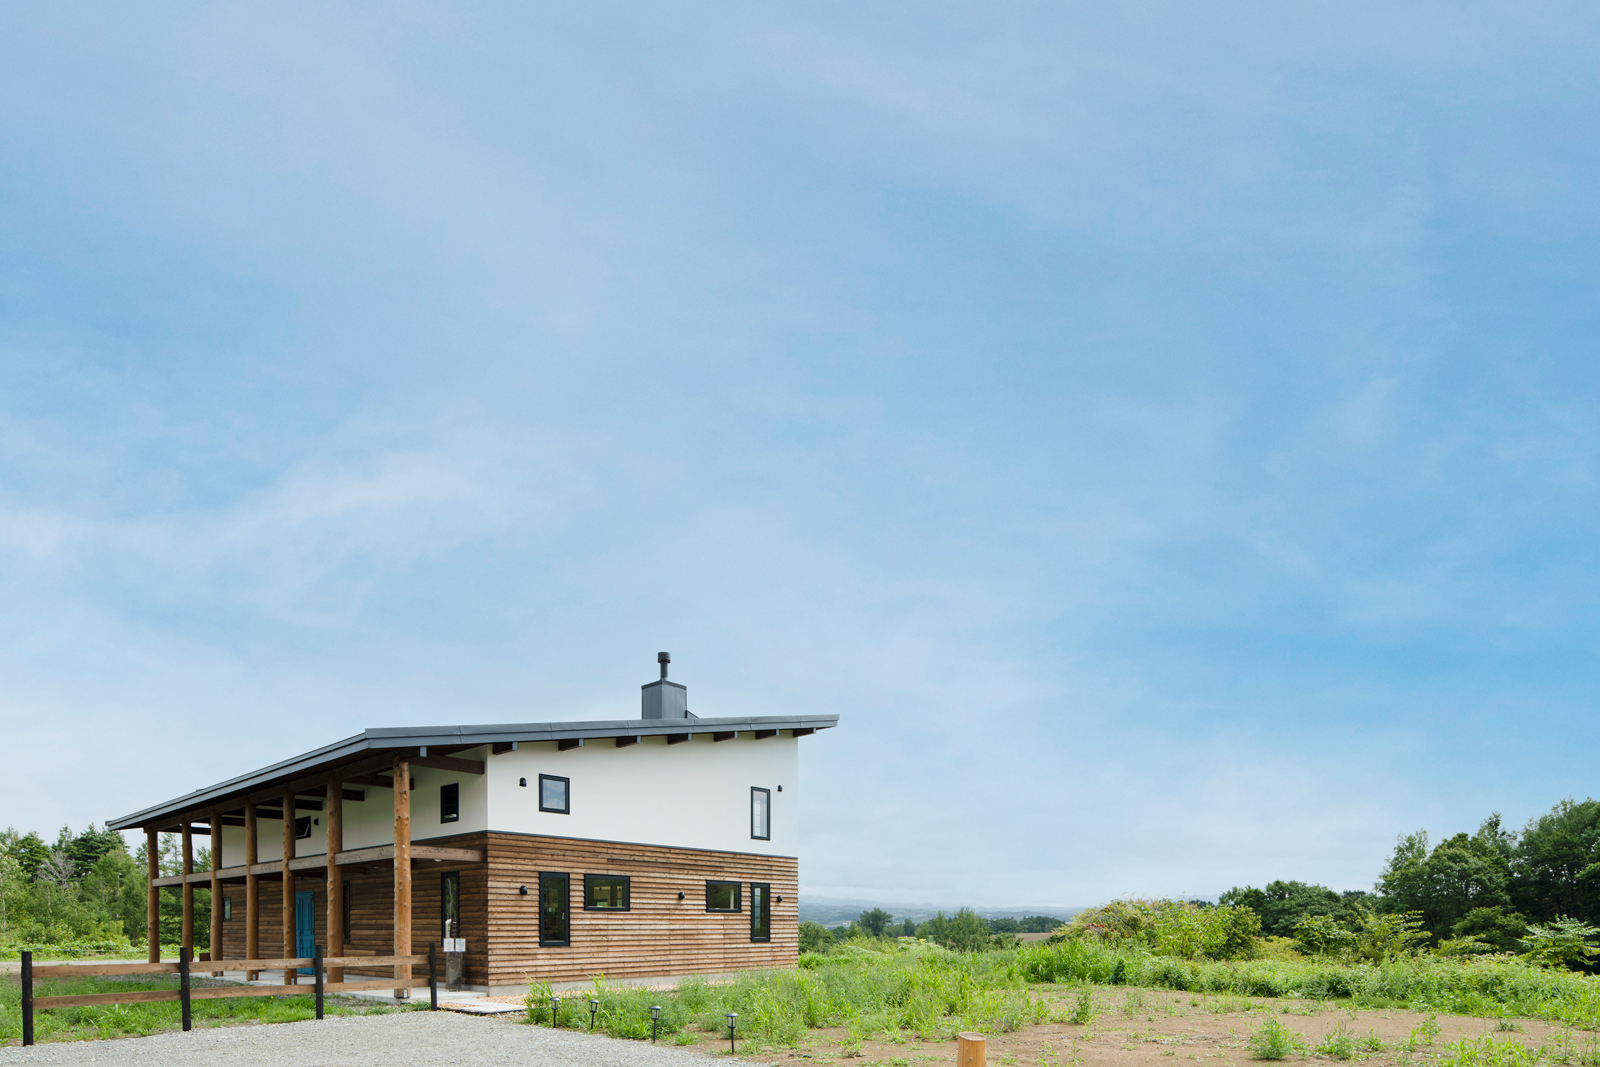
[657, 846]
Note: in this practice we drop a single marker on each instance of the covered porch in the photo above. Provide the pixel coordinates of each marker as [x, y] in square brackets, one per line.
[289, 884]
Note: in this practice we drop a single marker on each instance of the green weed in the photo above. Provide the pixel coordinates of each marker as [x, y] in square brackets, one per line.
[1273, 1041]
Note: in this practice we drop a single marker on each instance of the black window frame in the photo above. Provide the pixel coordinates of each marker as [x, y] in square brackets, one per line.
[588, 896]
[298, 822]
[738, 896]
[767, 795]
[349, 911]
[227, 909]
[450, 802]
[445, 879]
[566, 882]
[566, 792]
[764, 932]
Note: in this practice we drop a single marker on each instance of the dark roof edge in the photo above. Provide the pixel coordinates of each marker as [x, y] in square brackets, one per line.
[406, 737]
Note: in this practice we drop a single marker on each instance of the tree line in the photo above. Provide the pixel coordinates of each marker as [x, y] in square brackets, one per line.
[87, 889]
[965, 931]
[1475, 892]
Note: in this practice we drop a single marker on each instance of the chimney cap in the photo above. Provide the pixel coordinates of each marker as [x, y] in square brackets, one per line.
[663, 658]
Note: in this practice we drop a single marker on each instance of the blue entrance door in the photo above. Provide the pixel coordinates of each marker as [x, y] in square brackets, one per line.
[305, 925]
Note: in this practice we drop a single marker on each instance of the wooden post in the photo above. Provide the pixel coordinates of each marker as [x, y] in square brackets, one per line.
[290, 974]
[252, 892]
[152, 913]
[969, 1050]
[27, 997]
[216, 888]
[335, 893]
[184, 955]
[402, 875]
[188, 889]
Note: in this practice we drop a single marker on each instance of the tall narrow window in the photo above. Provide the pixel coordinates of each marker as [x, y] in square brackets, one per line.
[554, 794]
[760, 911]
[554, 910]
[761, 814]
[349, 913]
[227, 909]
[450, 903]
[450, 802]
[722, 896]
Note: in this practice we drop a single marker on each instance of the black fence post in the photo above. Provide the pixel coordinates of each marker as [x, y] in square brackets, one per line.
[27, 997]
[183, 984]
[316, 969]
[433, 977]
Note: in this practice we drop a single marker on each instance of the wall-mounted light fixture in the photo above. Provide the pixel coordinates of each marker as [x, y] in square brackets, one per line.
[680, 894]
[780, 899]
[523, 782]
[523, 890]
[780, 789]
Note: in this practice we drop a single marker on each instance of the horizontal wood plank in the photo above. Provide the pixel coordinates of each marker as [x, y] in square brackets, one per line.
[91, 970]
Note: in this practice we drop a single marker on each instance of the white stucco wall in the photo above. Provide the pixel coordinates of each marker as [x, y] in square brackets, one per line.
[690, 795]
[371, 821]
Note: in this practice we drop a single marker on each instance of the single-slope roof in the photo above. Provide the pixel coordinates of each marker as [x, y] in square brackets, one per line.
[371, 750]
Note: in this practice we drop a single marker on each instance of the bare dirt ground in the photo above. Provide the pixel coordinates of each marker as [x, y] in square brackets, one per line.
[1160, 1028]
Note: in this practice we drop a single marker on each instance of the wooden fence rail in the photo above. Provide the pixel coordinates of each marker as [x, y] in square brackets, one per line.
[184, 994]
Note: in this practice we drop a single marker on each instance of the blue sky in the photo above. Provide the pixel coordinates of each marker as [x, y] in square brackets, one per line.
[1165, 434]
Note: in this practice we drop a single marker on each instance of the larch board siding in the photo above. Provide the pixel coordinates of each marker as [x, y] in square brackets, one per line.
[660, 935]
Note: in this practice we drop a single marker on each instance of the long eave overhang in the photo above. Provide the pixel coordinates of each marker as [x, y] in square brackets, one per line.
[408, 739]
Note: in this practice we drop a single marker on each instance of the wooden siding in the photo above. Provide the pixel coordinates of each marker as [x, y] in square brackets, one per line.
[660, 935]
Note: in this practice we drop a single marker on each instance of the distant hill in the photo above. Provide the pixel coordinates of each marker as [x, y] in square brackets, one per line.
[830, 911]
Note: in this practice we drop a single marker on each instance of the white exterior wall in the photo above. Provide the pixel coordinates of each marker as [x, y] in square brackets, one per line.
[371, 822]
[691, 795]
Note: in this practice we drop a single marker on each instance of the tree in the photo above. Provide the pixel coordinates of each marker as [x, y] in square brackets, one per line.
[964, 932]
[874, 922]
[1281, 905]
[1556, 864]
[1442, 885]
[908, 929]
[814, 937]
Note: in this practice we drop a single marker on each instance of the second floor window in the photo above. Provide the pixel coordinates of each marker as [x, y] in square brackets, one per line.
[761, 814]
[450, 802]
[554, 794]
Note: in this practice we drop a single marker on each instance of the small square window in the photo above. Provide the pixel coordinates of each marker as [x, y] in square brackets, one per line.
[227, 909]
[605, 892]
[761, 814]
[555, 794]
[722, 896]
[302, 827]
[450, 802]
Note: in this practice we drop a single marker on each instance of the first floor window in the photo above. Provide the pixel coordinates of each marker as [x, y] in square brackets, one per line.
[605, 892]
[450, 902]
[227, 909]
[554, 910]
[450, 802]
[554, 794]
[760, 911]
[348, 912]
[722, 896]
[761, 814]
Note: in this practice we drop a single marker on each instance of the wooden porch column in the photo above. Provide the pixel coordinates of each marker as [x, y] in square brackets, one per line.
[252, 891]
[402, 874]
[290, 974]
[188, 889]
[335, 894]
[152, 913]
[216, 887]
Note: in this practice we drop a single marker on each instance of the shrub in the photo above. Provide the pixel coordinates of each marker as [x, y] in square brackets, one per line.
[1176, 928]
[1274, 1041]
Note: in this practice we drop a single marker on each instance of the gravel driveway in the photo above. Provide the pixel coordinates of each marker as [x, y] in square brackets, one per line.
[434, 1039]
